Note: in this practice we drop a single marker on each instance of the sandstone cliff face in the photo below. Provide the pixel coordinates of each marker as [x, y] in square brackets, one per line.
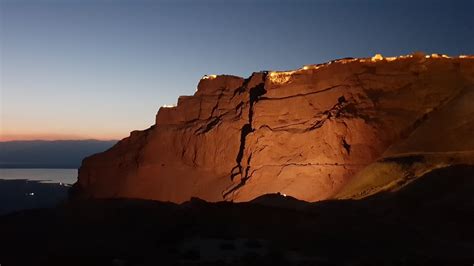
[307, 133]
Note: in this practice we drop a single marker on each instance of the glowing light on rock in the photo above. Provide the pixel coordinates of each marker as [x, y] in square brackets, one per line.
[377, 57]
[168, 106]
[281, 77]
[439, 56]
[209, 77]
[345, 61]
[313, 67]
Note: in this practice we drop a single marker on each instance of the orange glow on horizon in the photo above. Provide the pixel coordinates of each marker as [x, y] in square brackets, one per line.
[55, 129]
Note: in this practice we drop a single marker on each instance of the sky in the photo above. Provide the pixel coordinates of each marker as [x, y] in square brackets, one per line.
[99, 69]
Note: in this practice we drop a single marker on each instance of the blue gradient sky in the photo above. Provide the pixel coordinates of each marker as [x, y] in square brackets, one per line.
[99, 69]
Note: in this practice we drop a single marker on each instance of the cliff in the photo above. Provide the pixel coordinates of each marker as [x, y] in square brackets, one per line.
[344, 129]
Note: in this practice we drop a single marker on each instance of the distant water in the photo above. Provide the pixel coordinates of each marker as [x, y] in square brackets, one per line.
[65, 176]
[22, 189]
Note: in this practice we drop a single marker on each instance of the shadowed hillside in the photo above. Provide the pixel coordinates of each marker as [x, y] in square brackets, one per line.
[427, 222]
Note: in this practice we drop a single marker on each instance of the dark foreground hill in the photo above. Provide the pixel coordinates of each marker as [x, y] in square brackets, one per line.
[427, 222]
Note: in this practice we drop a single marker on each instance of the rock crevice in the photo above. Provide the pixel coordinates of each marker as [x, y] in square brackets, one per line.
[255, 94]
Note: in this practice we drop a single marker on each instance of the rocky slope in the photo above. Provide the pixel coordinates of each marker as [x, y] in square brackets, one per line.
[346, 129]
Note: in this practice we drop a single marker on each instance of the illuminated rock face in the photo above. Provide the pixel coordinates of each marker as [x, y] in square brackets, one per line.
[303, 133]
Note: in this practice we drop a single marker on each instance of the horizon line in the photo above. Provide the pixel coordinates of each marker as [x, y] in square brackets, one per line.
[57, 140]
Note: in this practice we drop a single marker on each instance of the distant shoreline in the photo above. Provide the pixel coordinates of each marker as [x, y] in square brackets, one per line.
[42, 175]
[42, 154]
[9, 166]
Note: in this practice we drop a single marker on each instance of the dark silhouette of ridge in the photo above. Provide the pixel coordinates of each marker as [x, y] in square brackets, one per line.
[426, 222]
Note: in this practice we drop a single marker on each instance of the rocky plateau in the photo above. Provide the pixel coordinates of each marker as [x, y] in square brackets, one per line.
[346, 129]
